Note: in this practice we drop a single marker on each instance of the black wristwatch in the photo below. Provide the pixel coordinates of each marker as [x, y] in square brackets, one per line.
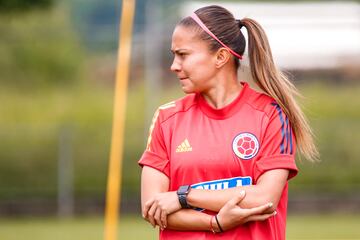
[182, 193]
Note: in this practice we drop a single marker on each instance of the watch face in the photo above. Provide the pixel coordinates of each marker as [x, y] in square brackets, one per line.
[184, 189]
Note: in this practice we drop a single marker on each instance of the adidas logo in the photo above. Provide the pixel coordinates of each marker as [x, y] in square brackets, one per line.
[184, 147]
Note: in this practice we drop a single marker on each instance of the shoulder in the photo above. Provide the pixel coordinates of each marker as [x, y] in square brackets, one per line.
[168, 110]
[261, 102]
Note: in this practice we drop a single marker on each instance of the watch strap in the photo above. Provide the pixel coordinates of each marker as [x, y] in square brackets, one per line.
[183, 202]
[182, 194]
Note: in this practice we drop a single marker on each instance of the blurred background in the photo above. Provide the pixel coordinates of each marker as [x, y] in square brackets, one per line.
[57, 72]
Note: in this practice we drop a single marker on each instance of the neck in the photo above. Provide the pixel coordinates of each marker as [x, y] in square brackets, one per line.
[225, 90]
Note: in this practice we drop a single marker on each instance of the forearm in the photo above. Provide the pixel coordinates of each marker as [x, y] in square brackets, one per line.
[230, 216]
[188, 220]
[269, 188]
[214, 200]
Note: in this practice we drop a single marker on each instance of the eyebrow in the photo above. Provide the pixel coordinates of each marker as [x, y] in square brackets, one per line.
[177, 50]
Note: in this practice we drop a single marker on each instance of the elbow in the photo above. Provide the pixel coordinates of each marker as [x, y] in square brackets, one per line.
[268, 198]
[273, 207]
[261, 196]
[270, 187]
[142, 210]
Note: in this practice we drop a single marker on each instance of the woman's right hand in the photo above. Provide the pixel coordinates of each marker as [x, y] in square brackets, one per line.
[232, 215]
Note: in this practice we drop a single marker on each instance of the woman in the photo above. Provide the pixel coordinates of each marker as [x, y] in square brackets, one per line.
[218, 160]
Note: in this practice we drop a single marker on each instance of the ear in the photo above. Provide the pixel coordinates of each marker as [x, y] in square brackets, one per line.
[222, 57]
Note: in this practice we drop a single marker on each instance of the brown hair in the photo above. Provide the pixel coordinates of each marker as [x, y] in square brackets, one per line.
[263, 70]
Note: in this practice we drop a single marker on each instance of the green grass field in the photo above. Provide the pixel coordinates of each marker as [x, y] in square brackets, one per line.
[131, 227]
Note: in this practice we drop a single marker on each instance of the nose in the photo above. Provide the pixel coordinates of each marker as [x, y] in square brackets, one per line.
[175, 66]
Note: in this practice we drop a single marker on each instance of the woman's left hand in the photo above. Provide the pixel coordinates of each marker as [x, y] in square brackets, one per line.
[159, 206]
[232, 215]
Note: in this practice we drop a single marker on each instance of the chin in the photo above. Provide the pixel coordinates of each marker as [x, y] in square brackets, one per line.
[187, 90]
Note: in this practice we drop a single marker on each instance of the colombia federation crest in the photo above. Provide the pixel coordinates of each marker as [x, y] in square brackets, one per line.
[245, 145]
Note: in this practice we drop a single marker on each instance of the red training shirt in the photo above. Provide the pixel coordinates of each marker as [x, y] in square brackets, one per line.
[193, 143]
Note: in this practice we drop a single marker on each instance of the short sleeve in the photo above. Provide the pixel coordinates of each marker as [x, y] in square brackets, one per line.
[155, 154]
[277, 150]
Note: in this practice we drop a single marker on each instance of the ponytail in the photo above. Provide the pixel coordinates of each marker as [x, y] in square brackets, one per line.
[273, 82]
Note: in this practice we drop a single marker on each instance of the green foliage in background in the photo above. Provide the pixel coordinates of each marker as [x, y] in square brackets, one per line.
[31, 125]
[335, 118]
[38, 48]
[24, 5]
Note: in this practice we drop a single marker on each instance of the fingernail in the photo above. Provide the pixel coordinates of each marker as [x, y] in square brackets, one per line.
[242, 192]
[270, 205]
[275, 212]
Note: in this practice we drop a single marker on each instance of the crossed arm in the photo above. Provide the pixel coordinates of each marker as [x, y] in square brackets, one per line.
[161, 207]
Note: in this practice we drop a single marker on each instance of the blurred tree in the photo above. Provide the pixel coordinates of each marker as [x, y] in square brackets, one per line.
[39, 48]
[21, 5]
